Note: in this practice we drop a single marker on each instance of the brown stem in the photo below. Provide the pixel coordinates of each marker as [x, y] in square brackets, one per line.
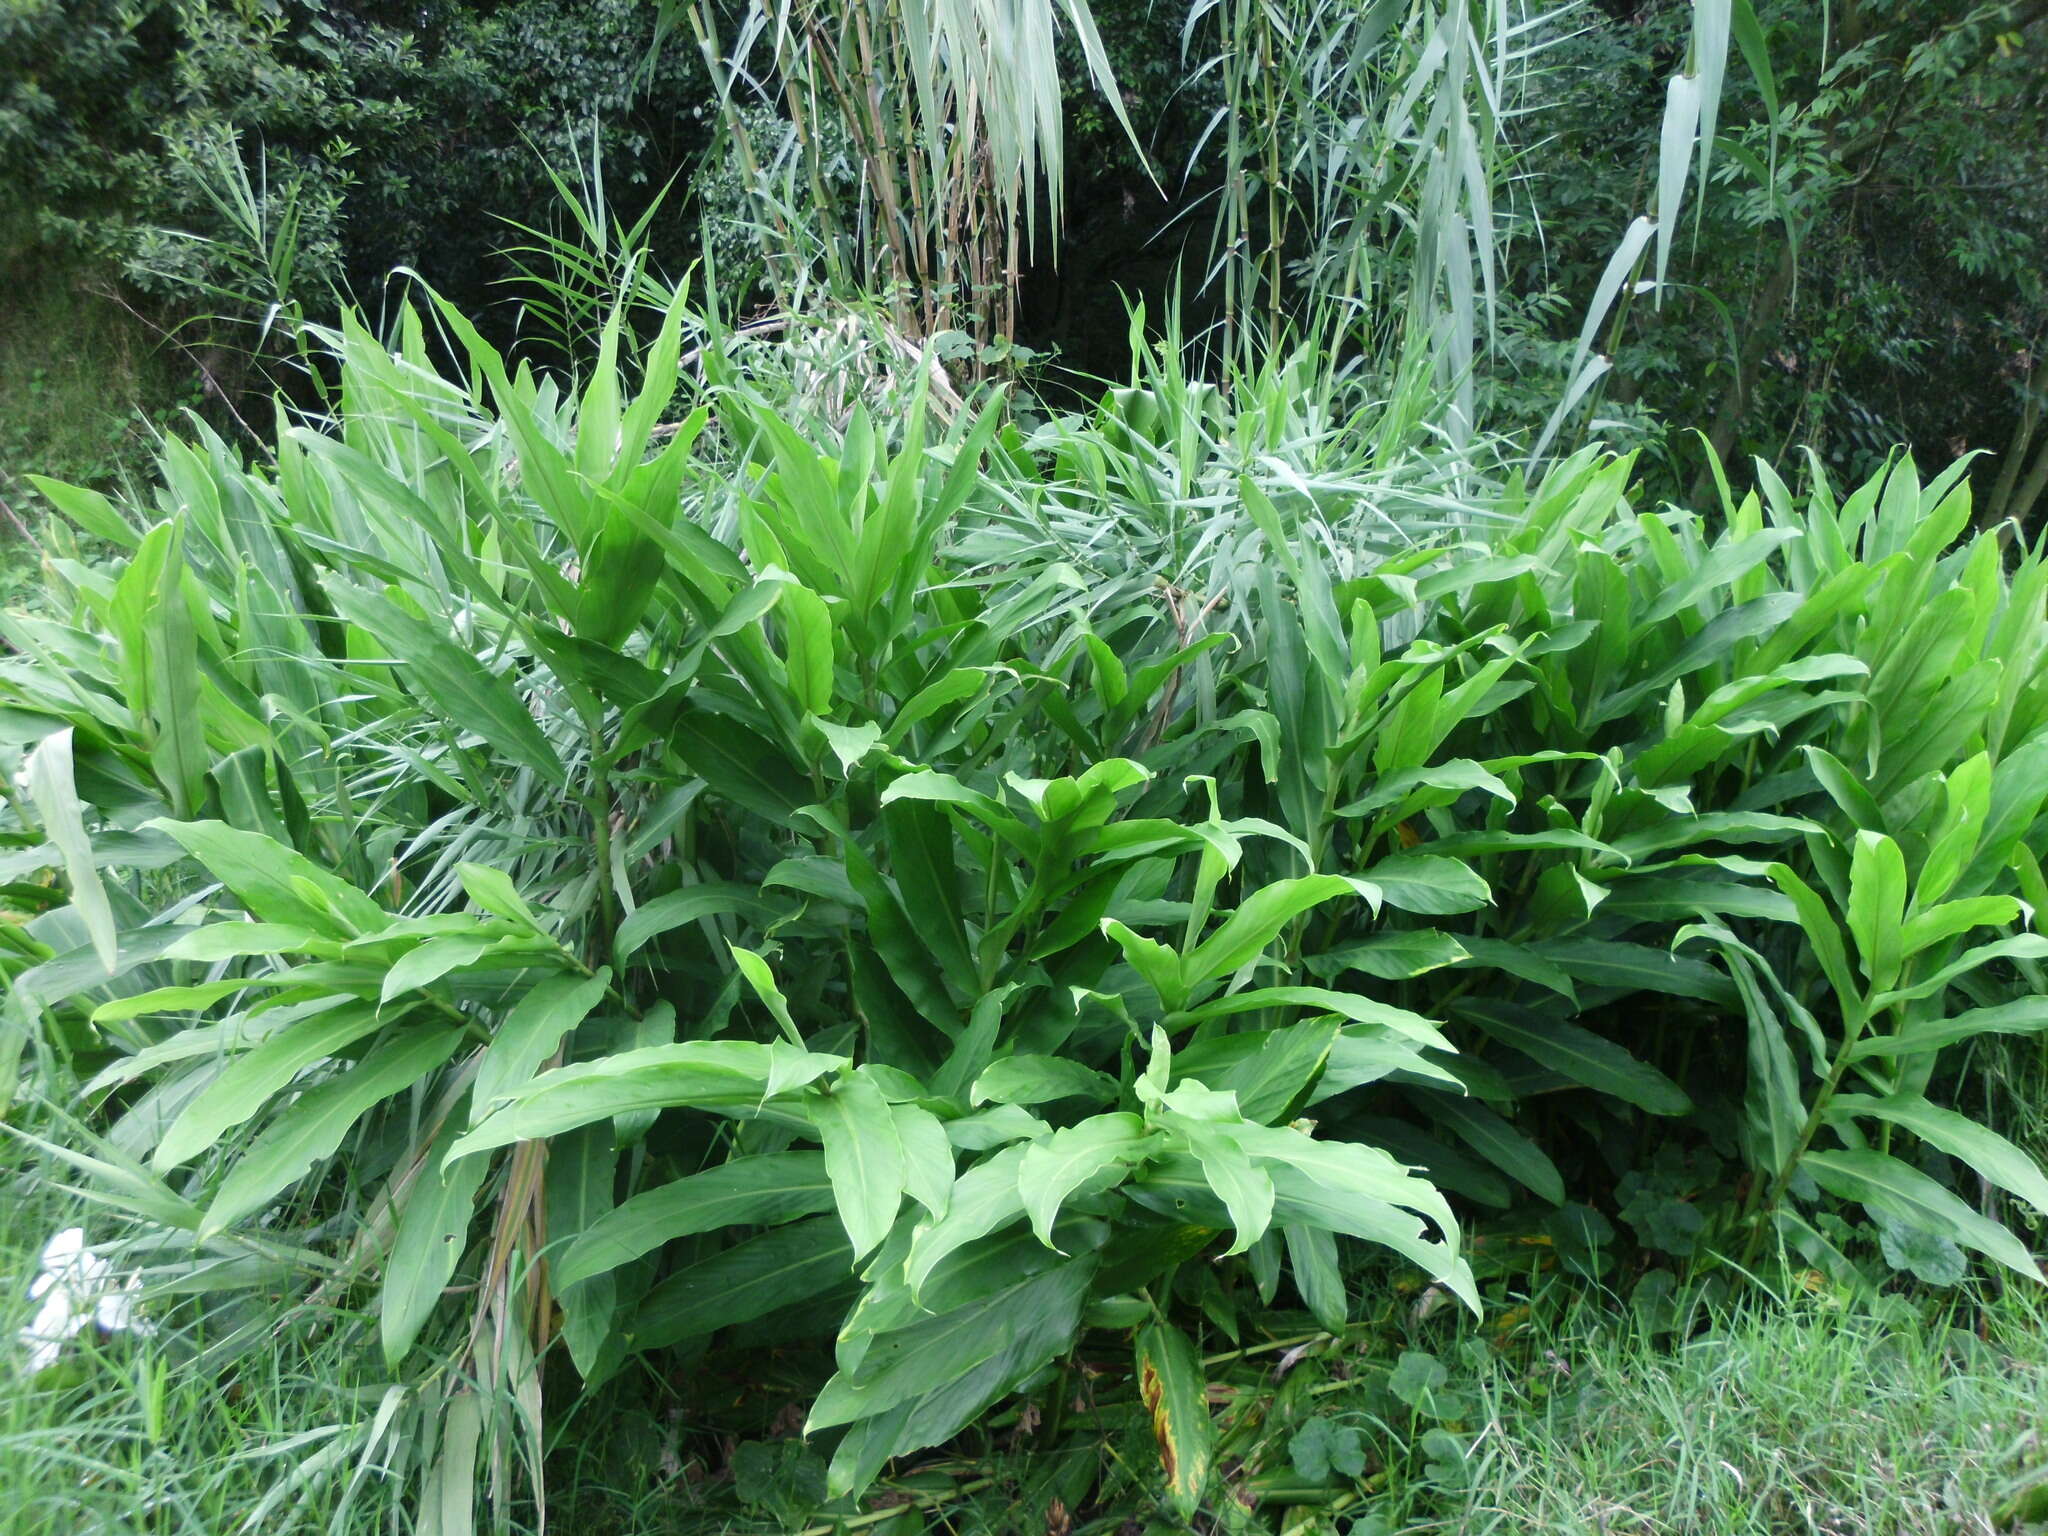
[193, 356]
[2031, 488]
[2001, 499]
[1758, 330]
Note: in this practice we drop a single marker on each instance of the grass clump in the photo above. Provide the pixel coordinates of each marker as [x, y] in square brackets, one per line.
[81, 381]
[1825, 1416]
[207, 1413]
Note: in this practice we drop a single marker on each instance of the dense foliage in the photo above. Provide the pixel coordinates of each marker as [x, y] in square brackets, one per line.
[1863, 271]
[389, 135]
[1869, 271]
[937, 888]
[593, 848]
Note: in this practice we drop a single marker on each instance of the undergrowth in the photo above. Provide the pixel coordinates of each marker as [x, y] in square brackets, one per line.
[82, 384]
[169, 1426]
[826, 936]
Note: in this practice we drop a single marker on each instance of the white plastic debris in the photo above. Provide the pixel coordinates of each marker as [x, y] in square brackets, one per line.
[75, 1287]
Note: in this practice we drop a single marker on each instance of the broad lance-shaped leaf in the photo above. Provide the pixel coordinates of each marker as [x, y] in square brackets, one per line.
[1270, 1072]
[1246, 933]
[1877, 906]
[2024, 946]
[235, 941]
[765, 1190]
[930, 1352]
[927, 1157]
[1579, 1054]
[236, 1032]
[1822, 933]
[1039, 1080]
[183, 999]
[985, 1197]
[1312, 1258]
[1394, 956]
[2022, 1016]
[55, 795]
[689, 905]
[450, 680]
[581, 1177]
[1636, 968]
[276, 883]
[1997, 1160]
[528, 1035]
[1361, 1010]
[1245, 1188]
[493, 891]
[739, 764]
[1160, 966]
[1429, 884]
[316, 1123]
[1501, 1145]
[1175, 1394]
[764, 1274]
[1343, 1187]
[1887, 1185]
[1359, 1056]
[1948, 919]
[1300, 1196]
[427, 1245]
[807, 640]
[249, 1081]
[755, 969]
[179, 753]
[1029, 1324]
[732, 1077]
[1057, 1165]
[420, 967]
[1350, 1167]
[863, 1156]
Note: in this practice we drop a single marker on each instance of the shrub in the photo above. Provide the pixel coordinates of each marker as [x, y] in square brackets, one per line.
[921, 883]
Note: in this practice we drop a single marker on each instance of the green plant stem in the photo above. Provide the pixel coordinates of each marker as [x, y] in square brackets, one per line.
[917, 1501]
[1852, 1032]
[599, 803]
